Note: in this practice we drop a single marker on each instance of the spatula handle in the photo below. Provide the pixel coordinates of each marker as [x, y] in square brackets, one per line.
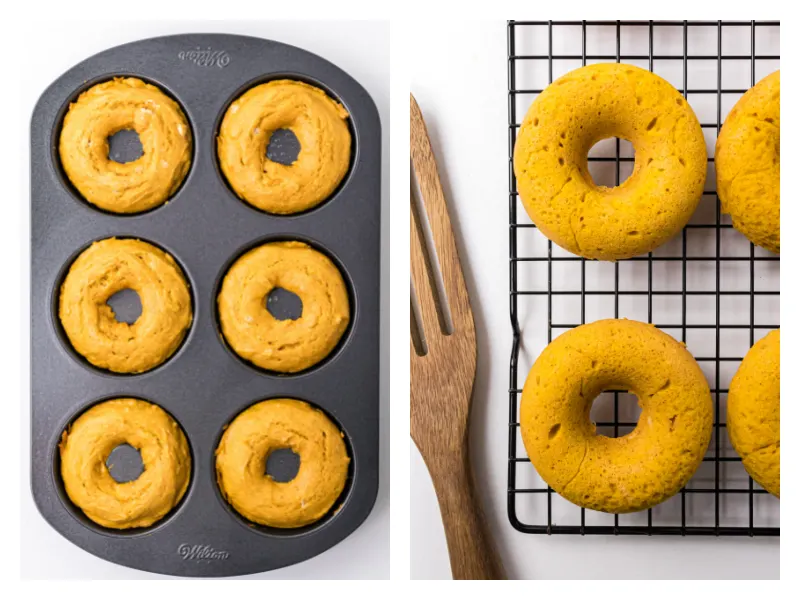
[472, 553]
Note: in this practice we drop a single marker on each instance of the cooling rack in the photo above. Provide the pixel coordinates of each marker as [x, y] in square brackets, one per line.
[708, 287]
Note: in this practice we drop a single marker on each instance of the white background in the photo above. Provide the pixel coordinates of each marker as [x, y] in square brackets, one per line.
[465, 77]
[459, 77]
[361, 48]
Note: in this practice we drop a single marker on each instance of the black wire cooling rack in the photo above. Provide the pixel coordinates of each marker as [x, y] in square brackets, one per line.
[707, 275]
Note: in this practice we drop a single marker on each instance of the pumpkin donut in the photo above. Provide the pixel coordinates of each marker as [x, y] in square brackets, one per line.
[273, 425]
[754, 412]
[285, 345]
[110, 107]
[102, 270]
[87, 443]
[550, 161]
[748, 162]
[318, 122]
[640, 469]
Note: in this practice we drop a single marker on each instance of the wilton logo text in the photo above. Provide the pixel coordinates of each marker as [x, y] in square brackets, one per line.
[198, 552]
[206, 58]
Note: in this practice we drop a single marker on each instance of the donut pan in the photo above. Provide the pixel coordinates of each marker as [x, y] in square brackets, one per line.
[205, 227]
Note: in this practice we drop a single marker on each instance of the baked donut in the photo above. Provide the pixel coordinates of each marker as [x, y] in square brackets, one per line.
[550, 161]
[640, 469]
[110, 107]
[318, 122]
[754, 412]
[87, 443]
[748, 164]
[273, 425]
[102, 270]
[286, 345]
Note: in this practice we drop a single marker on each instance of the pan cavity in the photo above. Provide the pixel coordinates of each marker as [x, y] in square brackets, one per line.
[126, 305]
[282, 465]
[125, 463]
[283, 304]
[283, 147]
[125, 146]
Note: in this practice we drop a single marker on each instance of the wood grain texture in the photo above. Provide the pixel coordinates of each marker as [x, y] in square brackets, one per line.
[443, 372]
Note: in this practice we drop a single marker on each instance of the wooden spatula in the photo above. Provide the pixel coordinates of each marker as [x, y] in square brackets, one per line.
[443, 373]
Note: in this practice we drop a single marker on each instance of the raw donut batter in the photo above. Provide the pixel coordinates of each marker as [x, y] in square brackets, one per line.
[318, 122]
[272, 425]
[107, 108]
[290, 345]
[87, 443]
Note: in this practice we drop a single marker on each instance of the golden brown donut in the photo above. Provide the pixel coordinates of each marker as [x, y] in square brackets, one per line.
[87, 443]
[102, 270]
[107, 108]
[748, 163]
[318, 122]
[754, 412]
[550, 161]
[640, 469]
[272, 425]
[287, 345]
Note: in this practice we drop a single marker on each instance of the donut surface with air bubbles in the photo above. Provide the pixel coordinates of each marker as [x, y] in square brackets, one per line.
[551, 161]
[748, 163]
[754, 412]
[642, 468]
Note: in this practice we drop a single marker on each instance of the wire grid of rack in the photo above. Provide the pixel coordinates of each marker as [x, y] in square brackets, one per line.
[699, 263]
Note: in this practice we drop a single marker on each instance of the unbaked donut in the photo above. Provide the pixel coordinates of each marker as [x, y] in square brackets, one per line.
[87, 443]
[102, 270]
[107, 108]
[286, 345]
[273, 425]
[318, 122]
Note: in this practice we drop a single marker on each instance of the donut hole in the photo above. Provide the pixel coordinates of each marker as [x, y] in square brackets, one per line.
[125, 463]
[283, 147]
[282, 465]
[125, 146]
[603, 166]
[284, 305]
[126, 305]
[615, 413]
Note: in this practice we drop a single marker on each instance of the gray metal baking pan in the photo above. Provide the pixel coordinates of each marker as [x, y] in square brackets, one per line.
[205, 227]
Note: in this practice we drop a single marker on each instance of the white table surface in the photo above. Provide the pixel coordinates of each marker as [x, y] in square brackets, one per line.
[361, 48]
[459, 78]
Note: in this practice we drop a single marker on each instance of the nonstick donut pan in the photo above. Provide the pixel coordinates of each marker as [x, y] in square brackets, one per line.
[204, 226]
